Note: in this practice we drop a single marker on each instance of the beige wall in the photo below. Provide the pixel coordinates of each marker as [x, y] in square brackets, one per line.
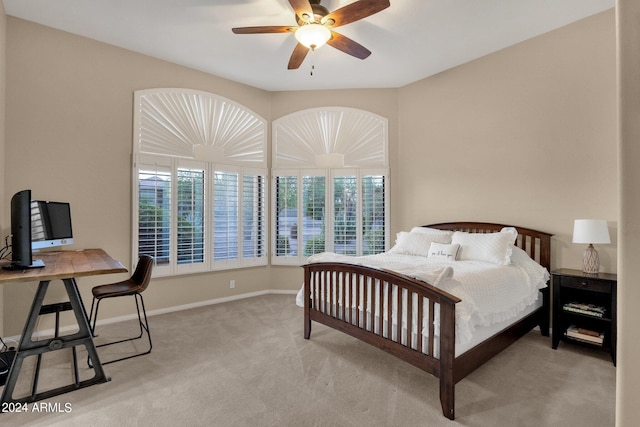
[628, 373]
[3, 67]
[524, 136]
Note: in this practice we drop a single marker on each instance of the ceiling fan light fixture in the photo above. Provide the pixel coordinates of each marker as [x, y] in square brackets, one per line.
[313, 35]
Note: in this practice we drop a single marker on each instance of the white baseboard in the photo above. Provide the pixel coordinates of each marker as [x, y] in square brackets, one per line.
[50, 332]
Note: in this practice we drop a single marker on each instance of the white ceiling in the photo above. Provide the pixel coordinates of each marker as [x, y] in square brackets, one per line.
[410, 40]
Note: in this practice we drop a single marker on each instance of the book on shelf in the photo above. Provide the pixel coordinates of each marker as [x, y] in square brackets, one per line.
[582, 308]
[585, 335]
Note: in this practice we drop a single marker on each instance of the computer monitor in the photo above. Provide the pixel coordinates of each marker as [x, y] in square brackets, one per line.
[50, 224]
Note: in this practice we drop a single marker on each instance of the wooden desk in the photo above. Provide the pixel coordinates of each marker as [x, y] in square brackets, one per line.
[65, 266]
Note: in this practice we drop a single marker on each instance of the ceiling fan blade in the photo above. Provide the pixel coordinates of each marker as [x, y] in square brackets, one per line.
[298, 55]
[354, 12]
[264, 29]
[302, 7]
[347, 45]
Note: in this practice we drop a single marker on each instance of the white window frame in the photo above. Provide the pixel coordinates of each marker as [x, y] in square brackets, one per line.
[329, 175]
[182, 128]
[329, 142]
[209, 264]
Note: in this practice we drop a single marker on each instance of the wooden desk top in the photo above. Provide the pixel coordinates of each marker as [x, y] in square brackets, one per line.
[65, 265]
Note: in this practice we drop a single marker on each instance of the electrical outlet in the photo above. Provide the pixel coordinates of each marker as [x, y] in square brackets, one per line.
[232, 284]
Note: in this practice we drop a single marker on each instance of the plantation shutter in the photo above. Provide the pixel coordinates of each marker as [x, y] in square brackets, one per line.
[312, 217]
[253, 216]
[331, 172]
[191, 216]
[154, 212]
[373, 214]
[225, 216]
[345, 215]
[286, 216]
[199, 196]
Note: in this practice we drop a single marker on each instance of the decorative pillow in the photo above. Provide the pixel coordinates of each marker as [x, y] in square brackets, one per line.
[443, 251]
[490, 247]
[415, 243]
[442, 234]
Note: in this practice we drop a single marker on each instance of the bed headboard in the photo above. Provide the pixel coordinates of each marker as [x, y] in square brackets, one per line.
[537, 244]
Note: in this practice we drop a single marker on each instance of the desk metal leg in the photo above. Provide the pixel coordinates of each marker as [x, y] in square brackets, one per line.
[28, 347]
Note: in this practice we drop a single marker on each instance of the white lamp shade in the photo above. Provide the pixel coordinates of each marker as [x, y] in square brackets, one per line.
[591, 231]
[312, 35]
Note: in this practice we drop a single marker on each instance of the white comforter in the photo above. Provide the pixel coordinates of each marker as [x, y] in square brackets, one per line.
[490, 293]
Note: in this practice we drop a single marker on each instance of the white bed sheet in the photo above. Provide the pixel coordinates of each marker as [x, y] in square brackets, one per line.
[491, 294]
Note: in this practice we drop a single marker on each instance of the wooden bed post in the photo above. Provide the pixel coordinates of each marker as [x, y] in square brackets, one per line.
[447, 355]
[307, 303]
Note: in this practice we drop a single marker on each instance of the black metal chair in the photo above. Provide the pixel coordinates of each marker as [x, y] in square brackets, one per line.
[135, 285]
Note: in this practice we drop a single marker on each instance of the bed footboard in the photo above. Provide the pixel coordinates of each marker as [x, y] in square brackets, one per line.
[403, 316]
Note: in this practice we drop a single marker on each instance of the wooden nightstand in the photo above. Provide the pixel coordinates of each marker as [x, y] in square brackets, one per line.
[584, 309]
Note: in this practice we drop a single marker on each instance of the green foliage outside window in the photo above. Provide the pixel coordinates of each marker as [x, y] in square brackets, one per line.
[314, 246]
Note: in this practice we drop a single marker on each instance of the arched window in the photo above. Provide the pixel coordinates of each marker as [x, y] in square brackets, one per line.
[330, 184]
[199, 195]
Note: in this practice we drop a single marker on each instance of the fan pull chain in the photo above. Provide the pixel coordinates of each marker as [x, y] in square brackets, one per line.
[313, 67]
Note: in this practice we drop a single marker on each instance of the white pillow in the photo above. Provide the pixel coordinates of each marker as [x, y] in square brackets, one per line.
[490, 247]
[442, 234]
[416, 243]
[446, 251]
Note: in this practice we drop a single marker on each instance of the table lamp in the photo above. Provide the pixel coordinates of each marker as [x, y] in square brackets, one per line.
[590, 231]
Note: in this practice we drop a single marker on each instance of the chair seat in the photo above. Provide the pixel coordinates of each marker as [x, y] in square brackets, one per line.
[126, 287]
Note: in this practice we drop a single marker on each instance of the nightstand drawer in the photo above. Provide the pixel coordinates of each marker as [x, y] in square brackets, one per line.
[586, 284]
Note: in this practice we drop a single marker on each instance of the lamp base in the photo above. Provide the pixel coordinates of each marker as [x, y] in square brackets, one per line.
[590, 260]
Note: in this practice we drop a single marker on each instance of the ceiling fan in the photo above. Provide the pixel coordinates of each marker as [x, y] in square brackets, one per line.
[316, 24]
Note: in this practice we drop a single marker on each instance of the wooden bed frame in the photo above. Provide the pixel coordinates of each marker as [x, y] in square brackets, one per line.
[331, 279]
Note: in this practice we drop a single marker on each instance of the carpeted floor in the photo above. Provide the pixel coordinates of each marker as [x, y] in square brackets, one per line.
[245, 363]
